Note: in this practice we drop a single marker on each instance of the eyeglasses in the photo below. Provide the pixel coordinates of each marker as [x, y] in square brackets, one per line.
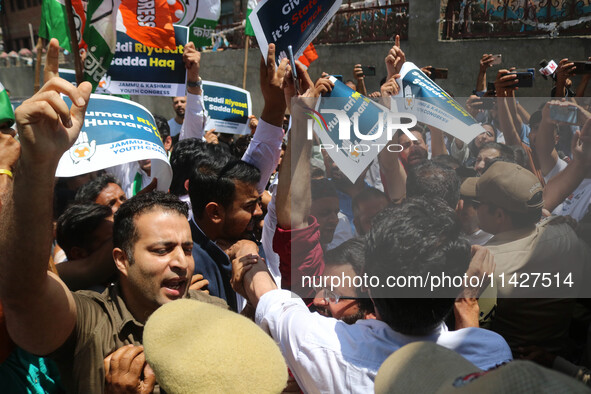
[331, 296]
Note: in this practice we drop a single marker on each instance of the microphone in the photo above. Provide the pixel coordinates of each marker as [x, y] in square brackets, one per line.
[548, 68]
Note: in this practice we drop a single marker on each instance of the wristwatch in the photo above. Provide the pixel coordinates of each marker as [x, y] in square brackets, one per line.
[195, 84]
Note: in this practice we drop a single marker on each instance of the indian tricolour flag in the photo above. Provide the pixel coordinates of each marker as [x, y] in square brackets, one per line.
[251, 5]
[54, 22]
[6, 112]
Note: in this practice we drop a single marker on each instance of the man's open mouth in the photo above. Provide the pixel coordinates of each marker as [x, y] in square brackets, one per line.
[174, 287]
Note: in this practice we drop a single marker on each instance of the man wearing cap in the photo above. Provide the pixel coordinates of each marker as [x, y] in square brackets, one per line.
[509, 200]
[404, 372]
[414, 238]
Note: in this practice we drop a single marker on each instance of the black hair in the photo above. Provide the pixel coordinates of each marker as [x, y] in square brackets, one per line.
[189, 154]
[492, 161]
[76, 225]
[504, 151]
[162, 126]
[322, 188]
[535, 119]
[417, 238]
[447, 160]
[351, 252]
[210, 183]
[519, 155]
[125, 234]
[465, 172]
[91, 190]
[367, 194]
[240, 145]
[433, 179]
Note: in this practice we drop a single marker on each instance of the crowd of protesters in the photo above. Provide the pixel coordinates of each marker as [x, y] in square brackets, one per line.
[86, 262]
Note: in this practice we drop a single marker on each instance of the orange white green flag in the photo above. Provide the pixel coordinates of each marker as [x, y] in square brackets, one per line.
[54, 22]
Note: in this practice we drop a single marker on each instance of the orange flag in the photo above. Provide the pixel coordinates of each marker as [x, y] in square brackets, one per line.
[149, 22]
[309, 55]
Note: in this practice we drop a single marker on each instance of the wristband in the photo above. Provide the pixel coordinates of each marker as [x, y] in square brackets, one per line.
[195, 84]
[6, 172]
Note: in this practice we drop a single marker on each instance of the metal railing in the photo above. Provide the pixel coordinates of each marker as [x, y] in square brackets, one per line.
[461, 19]
[356, 22]
[361, 21]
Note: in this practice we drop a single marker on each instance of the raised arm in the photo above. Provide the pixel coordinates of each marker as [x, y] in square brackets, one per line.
[9, 154]
[293, 189]
[565, 70]
[395, 59]
[392, 172]
[437, 142]
[544, 141]
[358, 74]
[565, 182]
[485, 62]
[505, 87]
[40, 311]
[195, 113]
[265, 148]
[583, 84]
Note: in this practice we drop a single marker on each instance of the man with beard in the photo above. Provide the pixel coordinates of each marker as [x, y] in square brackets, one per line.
[344, 302]
[225, 193]
[152, 252]
[178, 103]
[414, 152]
[224, 202]
[103, 190]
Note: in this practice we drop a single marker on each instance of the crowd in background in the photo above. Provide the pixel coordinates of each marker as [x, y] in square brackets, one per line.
[85, 261]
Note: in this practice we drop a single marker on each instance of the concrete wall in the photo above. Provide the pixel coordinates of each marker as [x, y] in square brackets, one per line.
[422, 48]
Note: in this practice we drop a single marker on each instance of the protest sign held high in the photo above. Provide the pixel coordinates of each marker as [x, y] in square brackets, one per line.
[293, 22]
[116, 131]
[352, 128]
[228, 108]
[433, 105]
[143, 70]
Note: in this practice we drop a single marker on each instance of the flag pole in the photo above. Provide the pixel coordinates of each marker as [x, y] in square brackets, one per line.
[246, 45]
[74, 43]
[37, 84]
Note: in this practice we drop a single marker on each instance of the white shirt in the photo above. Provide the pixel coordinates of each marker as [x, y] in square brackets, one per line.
[264, 151]
[373, 177]
[329, 356]
[558, 167]
[125, 173]
[577, 204]
[175, 128]
[269, 227]
[342, 232]
[195, 118]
